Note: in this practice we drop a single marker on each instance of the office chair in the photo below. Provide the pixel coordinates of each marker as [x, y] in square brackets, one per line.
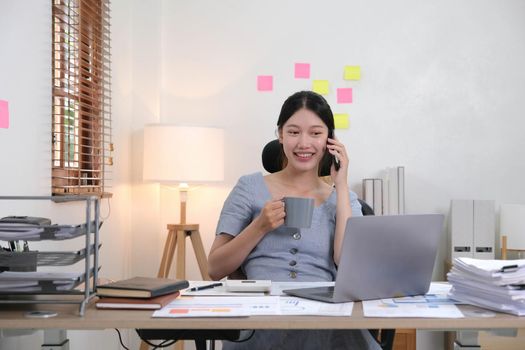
[272, 162]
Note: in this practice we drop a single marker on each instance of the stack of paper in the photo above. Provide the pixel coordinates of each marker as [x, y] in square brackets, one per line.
[493, 284]
[17, 282]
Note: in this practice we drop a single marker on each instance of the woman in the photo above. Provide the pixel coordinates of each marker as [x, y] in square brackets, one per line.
[251, 234]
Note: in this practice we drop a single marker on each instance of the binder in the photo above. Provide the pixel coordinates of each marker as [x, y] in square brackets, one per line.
[484, 229]
[386, 191]
[472, 229]
[368, 192]
[461, 228]
[373, 194]
[393, 189]
[401, 190]
[378, 196]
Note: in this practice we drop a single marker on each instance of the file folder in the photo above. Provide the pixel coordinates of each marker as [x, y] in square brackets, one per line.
[472, 229]
[484, 229]
[462, 228]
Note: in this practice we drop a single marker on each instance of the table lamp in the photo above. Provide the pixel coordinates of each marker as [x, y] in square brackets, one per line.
[512, 228]
[185, 156]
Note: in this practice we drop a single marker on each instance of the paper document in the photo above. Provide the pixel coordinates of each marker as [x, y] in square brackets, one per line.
[13, 282]
[56, 277]
[500, 272]
[300, 306]
[202, 306]
[439, 288]
[392, 308]
[221, 306]
[493, 284]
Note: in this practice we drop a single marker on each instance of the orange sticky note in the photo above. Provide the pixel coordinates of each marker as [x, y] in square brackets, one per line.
[302, 71]
[341, 120]
[4, 114]
[352, 73]
[265, 83]
[322, 87]
[344, 95]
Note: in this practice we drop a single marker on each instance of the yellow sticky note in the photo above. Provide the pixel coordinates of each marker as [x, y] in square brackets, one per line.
[320, 86]
[352, 73]
[341, 120]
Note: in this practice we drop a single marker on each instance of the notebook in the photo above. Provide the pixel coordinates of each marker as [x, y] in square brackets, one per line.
[383, 257]
[136, 303]
[141, 287]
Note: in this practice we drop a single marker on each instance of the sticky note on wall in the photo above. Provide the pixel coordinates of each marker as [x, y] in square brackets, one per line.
[4, 114]
[352, 73]
[302, 71]
[265, 83]
[341, 120]
[321, 87]
[344, 95]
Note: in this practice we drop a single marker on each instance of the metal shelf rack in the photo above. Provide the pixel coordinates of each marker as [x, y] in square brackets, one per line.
[52, 290]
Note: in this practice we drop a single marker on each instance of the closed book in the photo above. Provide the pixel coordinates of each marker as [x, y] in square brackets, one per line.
[136, 303]
[141, 287]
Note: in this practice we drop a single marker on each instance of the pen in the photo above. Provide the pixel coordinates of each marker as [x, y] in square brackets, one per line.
[208, 286]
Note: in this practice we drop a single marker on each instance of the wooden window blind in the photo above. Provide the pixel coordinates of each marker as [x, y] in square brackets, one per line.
[81, 117]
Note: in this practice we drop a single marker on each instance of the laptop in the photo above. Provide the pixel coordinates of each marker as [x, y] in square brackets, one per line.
[382, 257]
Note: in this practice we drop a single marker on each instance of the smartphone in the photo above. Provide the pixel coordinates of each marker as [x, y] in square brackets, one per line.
[336, 163]
[333, 159]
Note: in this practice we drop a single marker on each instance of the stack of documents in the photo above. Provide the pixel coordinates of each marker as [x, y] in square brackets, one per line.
[18, 282]
[493, 284]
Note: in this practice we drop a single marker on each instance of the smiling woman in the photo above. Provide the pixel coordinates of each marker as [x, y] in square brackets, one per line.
[252, 235]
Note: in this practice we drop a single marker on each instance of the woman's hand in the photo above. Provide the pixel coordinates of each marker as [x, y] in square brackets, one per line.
[337, 149]
[271, 216]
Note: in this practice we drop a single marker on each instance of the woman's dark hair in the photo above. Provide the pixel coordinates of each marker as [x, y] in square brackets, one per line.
[311, 101]
[316, 103]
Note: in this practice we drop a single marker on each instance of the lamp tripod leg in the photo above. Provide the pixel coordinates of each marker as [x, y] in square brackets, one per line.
[200, 254]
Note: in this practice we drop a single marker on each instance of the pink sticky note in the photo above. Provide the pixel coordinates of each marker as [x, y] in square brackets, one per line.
[4, 114]
[302, 70]
[264, 83]
[344, 95]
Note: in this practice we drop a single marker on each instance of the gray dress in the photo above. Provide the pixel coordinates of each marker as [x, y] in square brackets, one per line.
[288, 254]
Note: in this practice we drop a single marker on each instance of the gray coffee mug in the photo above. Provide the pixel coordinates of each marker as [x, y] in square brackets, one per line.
[299, 211]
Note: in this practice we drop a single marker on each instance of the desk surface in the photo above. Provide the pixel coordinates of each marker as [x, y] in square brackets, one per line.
[12, 317]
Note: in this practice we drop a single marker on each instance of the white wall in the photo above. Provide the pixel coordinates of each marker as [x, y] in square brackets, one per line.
[441, 88]
[25, 81]
[441, 93]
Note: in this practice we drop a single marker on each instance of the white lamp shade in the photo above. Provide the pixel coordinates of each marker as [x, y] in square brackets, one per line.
[512, 225]
[177, 154]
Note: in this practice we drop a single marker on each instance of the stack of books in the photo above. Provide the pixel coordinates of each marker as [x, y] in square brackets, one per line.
[139, 293]
[493, 284]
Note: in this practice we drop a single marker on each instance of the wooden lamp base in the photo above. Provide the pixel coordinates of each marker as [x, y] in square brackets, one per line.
[176, 238]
